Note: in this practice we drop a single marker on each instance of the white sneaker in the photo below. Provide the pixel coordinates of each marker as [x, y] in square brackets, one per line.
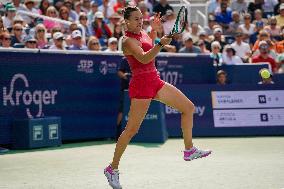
[195, 153]
[112, 177]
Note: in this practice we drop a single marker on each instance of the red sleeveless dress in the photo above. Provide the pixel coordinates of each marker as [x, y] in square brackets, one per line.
[145, 81]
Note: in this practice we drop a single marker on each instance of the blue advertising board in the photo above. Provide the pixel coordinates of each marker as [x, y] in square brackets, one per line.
[83, 89]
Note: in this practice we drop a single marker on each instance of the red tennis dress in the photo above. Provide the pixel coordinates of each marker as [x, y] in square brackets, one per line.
[145, 81]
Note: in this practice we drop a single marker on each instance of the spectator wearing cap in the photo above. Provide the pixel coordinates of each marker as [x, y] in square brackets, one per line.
[5, 40]
[29, 6]
[77, 42]
[247, 27]
[188, 46]
[211, 25]
[30, 42]
[259, 25]
[112, 45]
[235, 24]
[58, 41]
[86, 6]
[224, 17]
[40, 35]
[280, 17]
[230, 57]
[276, 8]
[43, 6]
[169, 21]
[162, 7]
[49, 24]
[273, 29]
[94, 9]
[258, 17]
[221, 77]
[265, 81]
[271, 50]
[218, 36]
[215, 53]
[100, 29]
[10, 13]
[17, 32]
[83, 20]
[94, 44]
[280, 62]
[106, 8]
[114, 19]
[264, 56]
[263, 36]
[240, 6]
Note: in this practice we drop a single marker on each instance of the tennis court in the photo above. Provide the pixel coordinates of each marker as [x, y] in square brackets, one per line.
[250, 162]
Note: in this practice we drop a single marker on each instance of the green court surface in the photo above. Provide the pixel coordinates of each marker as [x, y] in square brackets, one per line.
[236, 163]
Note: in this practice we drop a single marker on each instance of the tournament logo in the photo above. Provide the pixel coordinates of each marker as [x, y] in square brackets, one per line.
[13, 97]
[108, 67]
[85, 66]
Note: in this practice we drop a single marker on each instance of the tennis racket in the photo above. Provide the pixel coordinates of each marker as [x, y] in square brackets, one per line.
[180, 22]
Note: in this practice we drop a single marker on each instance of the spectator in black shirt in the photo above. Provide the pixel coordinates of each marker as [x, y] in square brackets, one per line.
[162, 7]
[124, 74]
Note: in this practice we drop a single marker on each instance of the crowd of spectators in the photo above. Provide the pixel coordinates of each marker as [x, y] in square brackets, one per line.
[238, 31]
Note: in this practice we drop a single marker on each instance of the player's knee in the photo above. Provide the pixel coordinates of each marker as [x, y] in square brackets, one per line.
[189, 108]
[131, 132]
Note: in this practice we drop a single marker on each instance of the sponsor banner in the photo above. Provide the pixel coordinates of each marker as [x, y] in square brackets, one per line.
[247, 99]
[249, 117]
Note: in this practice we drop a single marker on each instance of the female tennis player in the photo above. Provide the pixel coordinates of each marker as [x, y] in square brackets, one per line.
[146, 86]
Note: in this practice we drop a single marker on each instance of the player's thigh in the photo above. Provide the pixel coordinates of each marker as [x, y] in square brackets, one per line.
[174, 98]
[137, 112]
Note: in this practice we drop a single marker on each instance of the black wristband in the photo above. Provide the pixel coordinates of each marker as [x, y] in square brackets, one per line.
[160, 44]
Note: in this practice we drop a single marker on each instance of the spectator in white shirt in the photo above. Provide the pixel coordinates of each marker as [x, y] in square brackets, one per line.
[242, 48]
[58, 40]
[229, 56]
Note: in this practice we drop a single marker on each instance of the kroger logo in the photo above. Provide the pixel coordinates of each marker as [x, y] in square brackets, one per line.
[85, 66]
[107, 67]
[27, 97]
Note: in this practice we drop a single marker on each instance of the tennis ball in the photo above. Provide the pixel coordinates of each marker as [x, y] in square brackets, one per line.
[265, 74]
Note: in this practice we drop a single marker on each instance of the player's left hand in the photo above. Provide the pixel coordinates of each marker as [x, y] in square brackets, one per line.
[156, 23]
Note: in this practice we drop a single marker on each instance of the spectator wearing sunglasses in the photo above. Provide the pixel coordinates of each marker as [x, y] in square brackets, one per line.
[264, 56]
[30, 42]
[5, 40]
[40, 35]
[58, 41]
[272, 28]
[94, 44]
[17, 32]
